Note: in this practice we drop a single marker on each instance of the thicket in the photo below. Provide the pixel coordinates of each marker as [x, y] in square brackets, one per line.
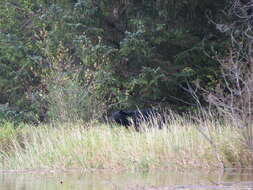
[77, 59]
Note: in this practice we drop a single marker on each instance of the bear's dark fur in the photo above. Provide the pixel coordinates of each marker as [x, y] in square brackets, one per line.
[135, 117]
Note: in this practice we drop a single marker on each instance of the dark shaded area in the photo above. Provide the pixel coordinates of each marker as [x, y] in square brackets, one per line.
[81, 58]
[136, 117]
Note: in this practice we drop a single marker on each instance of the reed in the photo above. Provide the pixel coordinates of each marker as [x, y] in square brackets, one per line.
[179, 145]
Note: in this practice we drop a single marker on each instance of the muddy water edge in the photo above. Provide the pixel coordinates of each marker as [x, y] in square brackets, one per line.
[76, 179]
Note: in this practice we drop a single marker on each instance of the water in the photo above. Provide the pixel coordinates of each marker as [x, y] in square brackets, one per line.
[111, 180]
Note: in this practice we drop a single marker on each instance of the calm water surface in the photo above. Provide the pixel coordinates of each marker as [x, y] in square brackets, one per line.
[110, 180]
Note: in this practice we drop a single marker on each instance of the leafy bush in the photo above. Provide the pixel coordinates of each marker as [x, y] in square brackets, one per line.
[102, 55]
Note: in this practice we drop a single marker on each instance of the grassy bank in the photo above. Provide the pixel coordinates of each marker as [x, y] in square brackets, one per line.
[179, 145]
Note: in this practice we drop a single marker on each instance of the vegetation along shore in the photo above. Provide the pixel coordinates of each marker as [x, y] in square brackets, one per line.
[178, 145]
[66, 66]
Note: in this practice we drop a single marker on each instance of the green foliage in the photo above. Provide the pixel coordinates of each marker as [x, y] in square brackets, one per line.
[102, 55]
[18, 71]
[7, 113]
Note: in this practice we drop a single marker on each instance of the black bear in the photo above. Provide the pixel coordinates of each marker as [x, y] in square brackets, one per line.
[135, 117]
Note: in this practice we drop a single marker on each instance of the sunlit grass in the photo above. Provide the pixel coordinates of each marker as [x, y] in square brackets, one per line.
[178, 145]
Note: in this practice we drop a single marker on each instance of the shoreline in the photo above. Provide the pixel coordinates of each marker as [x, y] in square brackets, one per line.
[111, 170]
[74, 146]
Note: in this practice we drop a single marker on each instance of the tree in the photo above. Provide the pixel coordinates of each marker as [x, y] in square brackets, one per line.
[233, 95]
[127, 53]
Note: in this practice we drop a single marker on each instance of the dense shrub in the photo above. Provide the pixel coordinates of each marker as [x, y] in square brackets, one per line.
[102, 55]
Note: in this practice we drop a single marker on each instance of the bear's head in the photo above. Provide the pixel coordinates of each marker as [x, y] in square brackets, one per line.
[122, 117]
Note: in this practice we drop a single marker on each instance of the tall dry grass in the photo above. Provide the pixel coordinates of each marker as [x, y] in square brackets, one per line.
[178, 145]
